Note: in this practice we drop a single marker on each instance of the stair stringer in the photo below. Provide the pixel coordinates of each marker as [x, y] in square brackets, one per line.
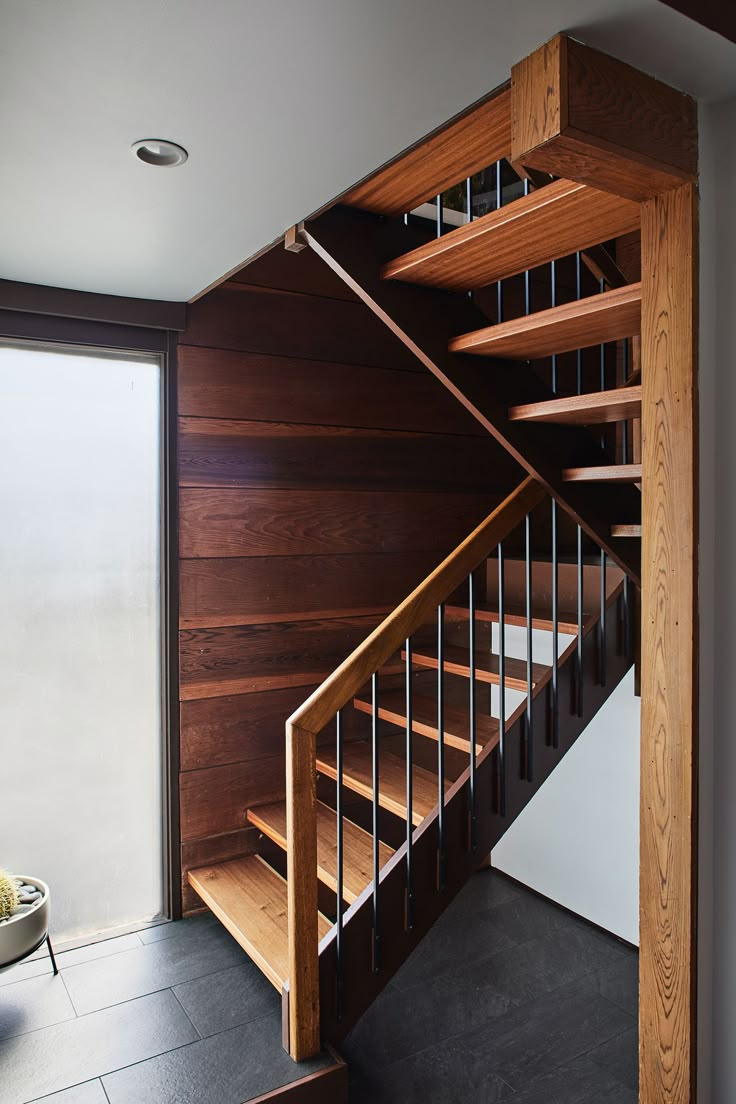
[361, 982]
[356, 245]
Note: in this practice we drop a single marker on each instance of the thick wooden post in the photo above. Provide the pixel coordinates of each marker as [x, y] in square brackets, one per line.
[301, 835]
[669, 674]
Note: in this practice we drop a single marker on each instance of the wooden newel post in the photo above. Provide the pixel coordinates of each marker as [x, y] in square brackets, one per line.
[301, 833]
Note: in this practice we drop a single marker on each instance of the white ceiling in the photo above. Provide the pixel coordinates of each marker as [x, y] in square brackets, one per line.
[282, 105]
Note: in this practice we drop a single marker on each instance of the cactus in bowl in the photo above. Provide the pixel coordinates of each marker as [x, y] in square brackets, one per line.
[9, 896]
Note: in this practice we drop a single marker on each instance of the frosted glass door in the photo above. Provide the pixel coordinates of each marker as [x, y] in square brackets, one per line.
[80, 651]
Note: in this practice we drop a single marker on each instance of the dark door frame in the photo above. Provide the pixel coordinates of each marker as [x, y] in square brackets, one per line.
[97, 333]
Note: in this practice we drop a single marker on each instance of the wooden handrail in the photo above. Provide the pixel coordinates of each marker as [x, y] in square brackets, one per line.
[318, 710]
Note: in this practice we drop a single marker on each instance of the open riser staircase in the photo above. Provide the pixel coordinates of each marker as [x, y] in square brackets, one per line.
[408, 764]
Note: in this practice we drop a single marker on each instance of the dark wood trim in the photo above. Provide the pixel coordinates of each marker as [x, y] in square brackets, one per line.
[170, 627]
[87, 306]
[21, 326]
[714, 14]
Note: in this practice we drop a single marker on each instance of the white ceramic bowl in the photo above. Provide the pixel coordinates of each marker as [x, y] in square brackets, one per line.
[23, 933]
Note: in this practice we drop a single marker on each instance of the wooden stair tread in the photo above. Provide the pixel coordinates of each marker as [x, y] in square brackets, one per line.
[593, 408]
[357, 845]
[605, 473]
[608, 316]
[567, 620]
[626, 530]
[357, 776]
[549, 223]
[457, 662]
[249, 897]
[392, 708]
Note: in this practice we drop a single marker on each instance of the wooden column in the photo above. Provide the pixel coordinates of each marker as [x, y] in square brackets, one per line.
[668, 881]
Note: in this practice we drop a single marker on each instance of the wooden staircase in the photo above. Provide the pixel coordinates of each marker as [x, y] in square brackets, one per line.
[414, 757]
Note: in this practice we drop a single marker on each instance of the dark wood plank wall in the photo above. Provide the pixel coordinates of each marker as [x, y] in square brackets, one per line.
[322, 473]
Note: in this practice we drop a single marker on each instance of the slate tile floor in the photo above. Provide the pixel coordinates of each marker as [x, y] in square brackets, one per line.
[508, 999]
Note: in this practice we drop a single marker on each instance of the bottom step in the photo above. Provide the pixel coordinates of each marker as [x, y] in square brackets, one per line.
[249, 898]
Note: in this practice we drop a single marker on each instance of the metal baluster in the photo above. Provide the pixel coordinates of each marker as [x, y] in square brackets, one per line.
[376, 843]
[439, 215]
[469, 211]
[471, 646]
[529, 666]
[409, 794]
[441, 741]
[499, 204]
[553, 283]
[340, 863]
[527, 274]
[625, 460]
[579, 651]
[578, 296]
[602, 619]
[501, 685]
[555, 633]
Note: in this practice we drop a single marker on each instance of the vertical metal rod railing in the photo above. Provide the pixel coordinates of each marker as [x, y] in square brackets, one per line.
[555, 567]
[409, 792]
[624, 460]
[439, 215]
[499, 204]
[602, 618]
[579, 648]
[529, 726]
[340, 865]
[501, 685]
[376, 825]
[441, 866]
[471, 705]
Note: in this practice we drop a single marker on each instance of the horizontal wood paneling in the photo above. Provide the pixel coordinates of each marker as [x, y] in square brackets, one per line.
[226, 383]
[263, 657]
[291, 457]
[214, 800]
[254, 319]
[266, 522]
[211, 850]
[294, 272]
[294, 588]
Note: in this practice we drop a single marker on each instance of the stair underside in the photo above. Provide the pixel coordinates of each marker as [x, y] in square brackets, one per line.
[550, 223]
[609, 316]
[357, 846]
[593, 408]
[392, 708]
[249, 898]
[607, 473]
[457, 662]
[357, 776]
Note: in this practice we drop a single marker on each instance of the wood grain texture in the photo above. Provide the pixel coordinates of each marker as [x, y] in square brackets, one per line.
[391, 779]
[456, 730]
[231, 384]
[626, 530]
[611, 473]
[209, 852]
[213, 800]
[608, 316]
[230, 522]
[462, 148]
[669, 648]
[589, 409]
[239, 454]
[457, 662]
[584, 115]
[545, 225]
[255, 320]
[357, 846]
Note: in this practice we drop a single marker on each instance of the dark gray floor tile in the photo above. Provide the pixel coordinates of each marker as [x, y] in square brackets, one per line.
[91, 1092]
[527, 916]
[442, 1075]
[82, 1049]
[29, 1005]
[618, 983]
[223, 1069]
[576, 1083]
[188, 953]
[532, 1040]
[403, 1022]
[619, 1058]
[484, 890]
[452, 942]
[168, 929]
[42, 965]
[220, 1001]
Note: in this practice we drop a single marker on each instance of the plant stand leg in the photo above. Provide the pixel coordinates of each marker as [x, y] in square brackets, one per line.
[51, 954]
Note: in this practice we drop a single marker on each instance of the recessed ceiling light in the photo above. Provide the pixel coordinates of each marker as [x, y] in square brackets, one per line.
[157, 151]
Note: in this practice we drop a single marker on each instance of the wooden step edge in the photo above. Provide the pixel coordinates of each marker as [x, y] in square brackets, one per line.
[249, 898]
[594, 408]
[462, 668]
[566, 623]
[597, 319]
[605, 473]
[421, 728]
[357, 786]
[626, 531]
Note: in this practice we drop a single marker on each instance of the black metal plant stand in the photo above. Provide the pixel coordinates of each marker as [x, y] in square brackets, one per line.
[45, 939]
